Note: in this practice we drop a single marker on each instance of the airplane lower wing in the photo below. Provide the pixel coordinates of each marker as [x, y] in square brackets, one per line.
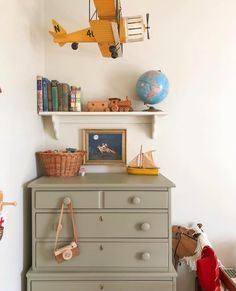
[104, 49]
[106, 35]
[102, 31]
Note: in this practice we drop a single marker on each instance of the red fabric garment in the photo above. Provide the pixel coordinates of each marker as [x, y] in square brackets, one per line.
[208, 270]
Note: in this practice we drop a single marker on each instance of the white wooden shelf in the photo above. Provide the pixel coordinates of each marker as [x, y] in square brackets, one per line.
[76, 117]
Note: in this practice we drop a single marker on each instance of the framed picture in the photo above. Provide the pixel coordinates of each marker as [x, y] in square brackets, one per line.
[105, 146]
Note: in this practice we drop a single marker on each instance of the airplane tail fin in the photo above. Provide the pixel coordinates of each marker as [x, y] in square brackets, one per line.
[58, 32]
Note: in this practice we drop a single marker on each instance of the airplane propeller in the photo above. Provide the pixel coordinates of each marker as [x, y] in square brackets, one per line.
[147, 27]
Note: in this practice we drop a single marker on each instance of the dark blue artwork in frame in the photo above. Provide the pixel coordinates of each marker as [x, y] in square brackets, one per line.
[105, 146]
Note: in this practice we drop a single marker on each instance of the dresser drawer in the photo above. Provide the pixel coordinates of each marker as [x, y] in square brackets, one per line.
[94, 255]
[104, 225]
[101, 285]
[53, 199]
[136, 199]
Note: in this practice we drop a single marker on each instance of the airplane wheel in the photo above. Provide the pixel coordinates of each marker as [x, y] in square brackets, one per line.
[74, 45]
[114, 55]
[112, 48]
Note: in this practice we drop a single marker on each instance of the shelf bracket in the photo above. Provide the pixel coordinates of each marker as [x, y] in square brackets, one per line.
[55, 124]
[154, 126]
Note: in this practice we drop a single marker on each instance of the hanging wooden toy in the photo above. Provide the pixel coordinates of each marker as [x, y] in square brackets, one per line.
[110, 31]
[3, 213]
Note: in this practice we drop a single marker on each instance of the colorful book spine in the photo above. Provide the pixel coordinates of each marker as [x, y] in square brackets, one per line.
[49, 96]
[72, 98]
[45, 94]
[59, 90]
[39, 94]
[78, 100]
[65, 96]
[54, 95]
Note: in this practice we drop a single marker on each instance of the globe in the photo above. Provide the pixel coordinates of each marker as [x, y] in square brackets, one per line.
[152, 87]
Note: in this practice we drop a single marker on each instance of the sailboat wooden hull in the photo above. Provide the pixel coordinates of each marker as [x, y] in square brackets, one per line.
[143, 171]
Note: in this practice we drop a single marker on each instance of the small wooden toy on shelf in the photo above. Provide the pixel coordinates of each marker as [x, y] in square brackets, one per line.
[114, 104]
[97, 106]
[2, 214]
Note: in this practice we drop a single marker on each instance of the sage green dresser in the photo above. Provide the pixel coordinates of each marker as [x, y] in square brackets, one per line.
[124, 227]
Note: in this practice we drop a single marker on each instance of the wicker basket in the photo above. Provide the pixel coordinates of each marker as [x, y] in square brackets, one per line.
[61, 164]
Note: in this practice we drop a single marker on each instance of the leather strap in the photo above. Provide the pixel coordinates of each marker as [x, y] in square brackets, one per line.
[74, 228]
[59, 226]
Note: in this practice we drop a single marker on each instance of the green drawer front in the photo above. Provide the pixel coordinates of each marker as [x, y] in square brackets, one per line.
[136, 199]
[53, 199]
[105, 225]
[106, 255]
[101, 285]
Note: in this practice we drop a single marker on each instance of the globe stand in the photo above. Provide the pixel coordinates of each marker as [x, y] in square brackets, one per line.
[151, 108]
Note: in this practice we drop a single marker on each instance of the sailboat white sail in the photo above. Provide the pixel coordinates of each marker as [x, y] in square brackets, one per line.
[147, 160]
[143, 160]
[134, 162]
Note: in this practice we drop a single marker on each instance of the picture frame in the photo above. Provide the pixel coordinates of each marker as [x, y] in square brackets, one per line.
[104, 146]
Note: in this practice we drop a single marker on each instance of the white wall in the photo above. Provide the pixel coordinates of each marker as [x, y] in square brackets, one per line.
[21, 131]
[193, 42]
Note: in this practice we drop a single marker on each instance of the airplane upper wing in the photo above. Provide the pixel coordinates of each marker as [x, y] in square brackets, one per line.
[106, 9]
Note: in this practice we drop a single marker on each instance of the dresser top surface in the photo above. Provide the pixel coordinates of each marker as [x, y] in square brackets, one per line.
[103, 180]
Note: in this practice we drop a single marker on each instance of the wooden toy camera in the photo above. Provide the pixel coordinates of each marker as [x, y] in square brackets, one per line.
[66, 253]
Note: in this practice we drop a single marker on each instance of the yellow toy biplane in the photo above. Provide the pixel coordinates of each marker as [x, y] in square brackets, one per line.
[110, 31]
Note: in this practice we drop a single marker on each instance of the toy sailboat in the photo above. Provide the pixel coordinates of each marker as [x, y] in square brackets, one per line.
[143, 164]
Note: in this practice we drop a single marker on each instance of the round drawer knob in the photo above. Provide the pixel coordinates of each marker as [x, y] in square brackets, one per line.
[67, 200]
[136, 200]
[145, 226]
[146, 256]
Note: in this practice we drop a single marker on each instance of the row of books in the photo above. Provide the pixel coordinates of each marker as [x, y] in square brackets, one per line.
[55, 96]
